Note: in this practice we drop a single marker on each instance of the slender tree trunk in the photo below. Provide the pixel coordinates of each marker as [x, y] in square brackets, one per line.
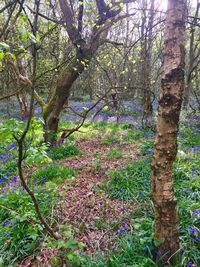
[148, 109]
[24, 110]
[166, 226]
[188, 87]
[146, 51]
[22, 97]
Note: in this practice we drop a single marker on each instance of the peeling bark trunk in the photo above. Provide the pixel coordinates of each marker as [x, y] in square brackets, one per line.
[166, 226]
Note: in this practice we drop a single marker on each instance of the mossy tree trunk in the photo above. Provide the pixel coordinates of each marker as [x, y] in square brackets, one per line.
[85, 50]
[52, 110]
[166, 226]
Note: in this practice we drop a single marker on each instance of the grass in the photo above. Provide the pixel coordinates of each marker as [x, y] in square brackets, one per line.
[53, 172]
[20, 231]
[133, 182]
[134, 134]
[64, 151]
[114, 153]
[111, 139]
[129, 182]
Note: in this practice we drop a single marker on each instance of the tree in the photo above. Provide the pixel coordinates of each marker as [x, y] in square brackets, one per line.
[146, 56]
[193, 59]
[166, 226]
[85, 50]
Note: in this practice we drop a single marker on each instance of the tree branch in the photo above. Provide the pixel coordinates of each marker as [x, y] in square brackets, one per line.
[68, 17]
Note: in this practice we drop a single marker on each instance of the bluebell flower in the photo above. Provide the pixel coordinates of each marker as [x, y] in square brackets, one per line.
[14, 180]
[194, 232]
[189, 264]
[196, 212]
[123, 224]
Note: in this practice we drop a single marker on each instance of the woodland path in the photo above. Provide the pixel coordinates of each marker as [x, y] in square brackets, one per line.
[85, 205]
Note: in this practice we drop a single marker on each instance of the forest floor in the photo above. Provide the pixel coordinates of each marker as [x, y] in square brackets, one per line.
[85, 205]
[95, 191]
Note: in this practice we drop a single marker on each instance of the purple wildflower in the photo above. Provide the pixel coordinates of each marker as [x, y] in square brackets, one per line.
[14, 180]
[196, 212]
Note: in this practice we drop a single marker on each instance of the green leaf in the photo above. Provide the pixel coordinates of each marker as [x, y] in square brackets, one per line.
[70, 256]
[2, 55]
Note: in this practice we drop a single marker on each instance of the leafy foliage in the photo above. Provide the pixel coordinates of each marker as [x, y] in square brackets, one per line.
[129, 182]
[53, 172]
[64, 151]
[20, 229]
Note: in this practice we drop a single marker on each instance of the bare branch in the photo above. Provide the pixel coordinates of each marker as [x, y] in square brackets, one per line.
[80, 17]
[67, 132]
[68, 17]
[7, 6]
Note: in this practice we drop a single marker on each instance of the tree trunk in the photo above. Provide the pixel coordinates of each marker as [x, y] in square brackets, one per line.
[188, 87]
[148, 109]
[24, 111]
[22, 98]
[166, 226]
[51, 112]
[146, 51]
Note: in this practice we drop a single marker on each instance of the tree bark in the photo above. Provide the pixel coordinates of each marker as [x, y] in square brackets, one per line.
[191, 64]
[21, 96]
[51, 113]
[146, 55]
[166, 226]
[24, 110]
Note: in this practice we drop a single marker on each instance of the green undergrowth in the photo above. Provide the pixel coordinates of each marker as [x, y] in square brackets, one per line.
[132, 182]
[114, 153]
[21, 231]
[111, 139]
[129, 182]
[64, 151]
[55, 173]
[105, 126]
[135, 134]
